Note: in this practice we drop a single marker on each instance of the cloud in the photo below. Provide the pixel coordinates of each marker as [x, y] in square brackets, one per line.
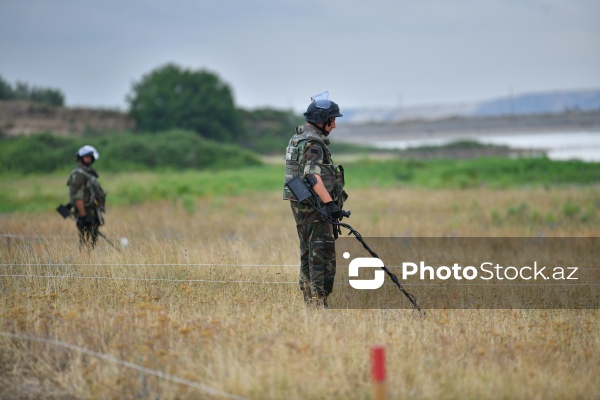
[277, 53]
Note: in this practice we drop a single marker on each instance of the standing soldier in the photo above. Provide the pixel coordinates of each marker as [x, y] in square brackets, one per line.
[87, 196]
[308, 153]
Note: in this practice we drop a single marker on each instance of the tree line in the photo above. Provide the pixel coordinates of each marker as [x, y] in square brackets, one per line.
[22, 91]
[172, 97]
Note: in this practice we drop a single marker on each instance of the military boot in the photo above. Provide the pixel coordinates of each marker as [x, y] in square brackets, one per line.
[306, 291]
[320, 301]
[307, 297]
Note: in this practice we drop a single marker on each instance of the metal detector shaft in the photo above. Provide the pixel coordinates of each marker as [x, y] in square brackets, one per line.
[392, 276]
[65, 211]
[108, 241]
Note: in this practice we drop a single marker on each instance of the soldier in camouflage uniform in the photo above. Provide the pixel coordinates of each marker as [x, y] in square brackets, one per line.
[308, 153]
[86, 196]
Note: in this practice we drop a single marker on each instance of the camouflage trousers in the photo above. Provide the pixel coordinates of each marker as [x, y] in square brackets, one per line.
[89, 237]
[317, 259]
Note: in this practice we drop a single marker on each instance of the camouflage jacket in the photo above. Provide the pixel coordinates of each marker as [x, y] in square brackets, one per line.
[83, 185]
[308, 153]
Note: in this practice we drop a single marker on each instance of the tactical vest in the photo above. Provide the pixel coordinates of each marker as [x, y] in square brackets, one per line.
[332, 175]
[94, 195]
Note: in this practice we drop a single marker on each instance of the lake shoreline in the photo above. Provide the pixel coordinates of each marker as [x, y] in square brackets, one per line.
[561, 137]
[456, 128]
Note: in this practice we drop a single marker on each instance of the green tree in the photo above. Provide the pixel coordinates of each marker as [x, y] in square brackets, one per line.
[6, 91]
[47, 96]
[22, 91]
[267, 130]
[171, 97]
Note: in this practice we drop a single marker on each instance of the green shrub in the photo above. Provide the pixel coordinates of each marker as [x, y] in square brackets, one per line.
[37, 153]
[570, 209]
[175, 149]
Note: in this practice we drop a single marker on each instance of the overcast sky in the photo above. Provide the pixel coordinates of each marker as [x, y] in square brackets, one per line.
[279, 53]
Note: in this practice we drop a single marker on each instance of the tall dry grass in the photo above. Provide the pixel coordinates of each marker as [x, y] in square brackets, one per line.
[258, 340]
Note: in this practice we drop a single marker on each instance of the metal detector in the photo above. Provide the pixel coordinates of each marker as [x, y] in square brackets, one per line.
[65, 211]
[304, 193]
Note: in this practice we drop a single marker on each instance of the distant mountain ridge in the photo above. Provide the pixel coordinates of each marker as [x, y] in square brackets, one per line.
[531, 103]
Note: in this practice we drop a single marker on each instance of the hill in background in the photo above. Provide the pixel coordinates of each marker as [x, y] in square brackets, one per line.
[24, 118]
[555, 102]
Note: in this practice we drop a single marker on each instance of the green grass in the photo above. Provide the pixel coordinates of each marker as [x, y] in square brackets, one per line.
[33, 192]
[490, 172]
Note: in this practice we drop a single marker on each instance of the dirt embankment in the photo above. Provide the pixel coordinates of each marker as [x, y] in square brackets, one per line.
[24, 118]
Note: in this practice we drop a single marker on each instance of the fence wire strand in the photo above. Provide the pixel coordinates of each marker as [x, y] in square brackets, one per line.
[145, 279]
[594, 284]
[141, 265]
[196, 385]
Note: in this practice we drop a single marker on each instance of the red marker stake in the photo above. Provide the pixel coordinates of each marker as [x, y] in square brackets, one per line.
[378, 372]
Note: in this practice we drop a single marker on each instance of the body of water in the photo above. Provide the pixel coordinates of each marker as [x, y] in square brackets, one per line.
[583, 146]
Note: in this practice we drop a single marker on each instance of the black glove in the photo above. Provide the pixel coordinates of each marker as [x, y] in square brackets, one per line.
[333, 211]
[85, 223]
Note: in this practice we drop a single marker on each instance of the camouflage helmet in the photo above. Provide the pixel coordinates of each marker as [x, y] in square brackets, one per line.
[87, 150]
[321, 109]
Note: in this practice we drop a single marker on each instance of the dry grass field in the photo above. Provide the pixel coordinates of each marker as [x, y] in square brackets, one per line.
[162, 304]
